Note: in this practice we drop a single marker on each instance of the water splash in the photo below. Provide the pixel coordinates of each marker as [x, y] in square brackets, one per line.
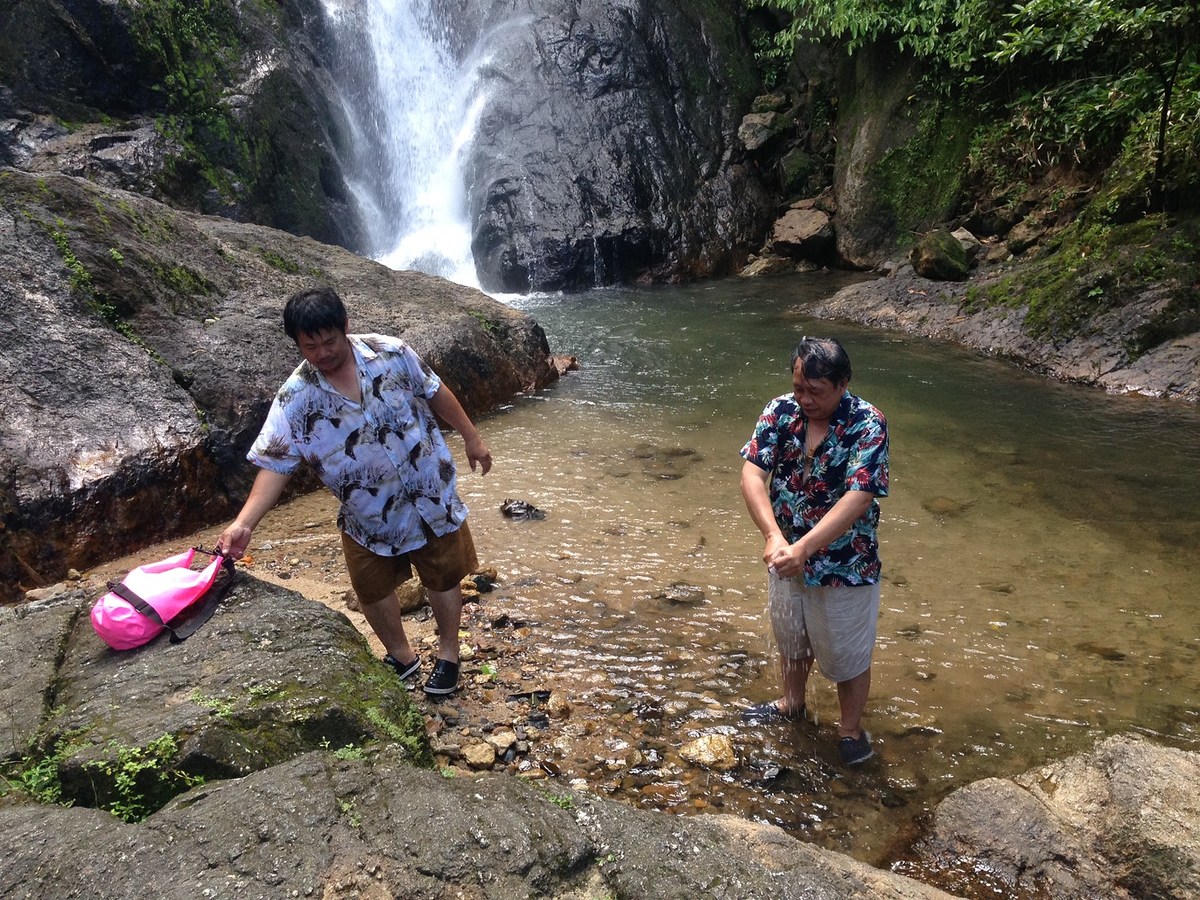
[412, 105]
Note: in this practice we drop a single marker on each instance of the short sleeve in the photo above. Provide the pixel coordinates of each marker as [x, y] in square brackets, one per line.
[275, 449]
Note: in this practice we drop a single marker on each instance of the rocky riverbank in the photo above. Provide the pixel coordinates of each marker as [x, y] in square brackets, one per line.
[272, 755]
[1098, 354]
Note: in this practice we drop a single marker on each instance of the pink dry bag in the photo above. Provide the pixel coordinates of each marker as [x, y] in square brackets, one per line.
[158, 596]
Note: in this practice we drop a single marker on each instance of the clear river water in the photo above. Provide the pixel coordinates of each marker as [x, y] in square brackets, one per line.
[1040, 545]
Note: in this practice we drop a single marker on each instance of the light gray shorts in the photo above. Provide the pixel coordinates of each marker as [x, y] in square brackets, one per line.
[835, 625]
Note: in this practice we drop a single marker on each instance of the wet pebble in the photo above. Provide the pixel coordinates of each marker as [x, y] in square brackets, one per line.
[711, 751]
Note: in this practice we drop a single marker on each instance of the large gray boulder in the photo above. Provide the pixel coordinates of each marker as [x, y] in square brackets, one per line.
[270, 676]
[144, 345]
[1120, 821]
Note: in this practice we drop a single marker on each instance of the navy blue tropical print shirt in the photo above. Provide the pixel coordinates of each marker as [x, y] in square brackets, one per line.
[853, 456]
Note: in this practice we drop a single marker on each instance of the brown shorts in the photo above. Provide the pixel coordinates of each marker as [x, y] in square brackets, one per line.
[441, 564]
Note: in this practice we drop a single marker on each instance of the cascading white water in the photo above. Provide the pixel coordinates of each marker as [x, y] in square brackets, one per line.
[412, 108]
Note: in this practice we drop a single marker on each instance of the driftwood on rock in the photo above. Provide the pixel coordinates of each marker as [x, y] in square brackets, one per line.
[143, 346]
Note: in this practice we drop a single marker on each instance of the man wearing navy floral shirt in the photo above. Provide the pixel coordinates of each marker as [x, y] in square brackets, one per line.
[360, 410]
[813, 469]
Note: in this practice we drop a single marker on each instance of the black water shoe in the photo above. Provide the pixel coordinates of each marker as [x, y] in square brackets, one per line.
[404, 670]
[855, 751]
[443, 679]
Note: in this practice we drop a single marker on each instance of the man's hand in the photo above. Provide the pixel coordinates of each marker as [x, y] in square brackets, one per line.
[234, 540]
[787, 559]
[775, 543]
[479, 455]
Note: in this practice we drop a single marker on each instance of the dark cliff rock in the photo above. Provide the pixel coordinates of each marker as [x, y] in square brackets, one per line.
[873, 120]
[143, 348]
[221, 108]
[608, 151]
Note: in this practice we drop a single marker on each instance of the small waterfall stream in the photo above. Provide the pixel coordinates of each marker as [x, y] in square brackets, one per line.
[412, 104]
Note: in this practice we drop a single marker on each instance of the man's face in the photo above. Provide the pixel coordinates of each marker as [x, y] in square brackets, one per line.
[818, 397]
[327, 349]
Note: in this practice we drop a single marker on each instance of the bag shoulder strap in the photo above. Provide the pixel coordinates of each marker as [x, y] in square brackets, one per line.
[129, 596]
[189, 620]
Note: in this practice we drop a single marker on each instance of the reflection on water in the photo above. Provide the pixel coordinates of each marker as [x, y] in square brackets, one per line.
[1040, 545]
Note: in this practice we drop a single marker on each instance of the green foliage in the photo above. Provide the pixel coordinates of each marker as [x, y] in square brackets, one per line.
[920, 182]
[145, 778]
[407, 733]
[947, 32]
[1110, 62]
[182, 280]
[350, 812]
[562, 801]
[489, 325]
[1076, 79]
[38, 778]
[80, 280]
[349, 752]
[275, 261]
[192, 44]
[1097, 265]
[135, 782]
[222, 708]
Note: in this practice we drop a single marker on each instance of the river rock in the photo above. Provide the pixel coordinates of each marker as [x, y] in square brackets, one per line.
[760, 128]
[145, 345]
[941, 256]
[712, 751]
[805, 234]
[479, 755]
[305, 741]
[1117, 821]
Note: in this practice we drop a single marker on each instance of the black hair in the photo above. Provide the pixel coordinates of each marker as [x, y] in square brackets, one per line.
[312, 311]
[822, 358]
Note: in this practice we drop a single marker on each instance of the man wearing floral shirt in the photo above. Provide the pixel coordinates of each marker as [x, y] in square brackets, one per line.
[813, 469]
[360, 410]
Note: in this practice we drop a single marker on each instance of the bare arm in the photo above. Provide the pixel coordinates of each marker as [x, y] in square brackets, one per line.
[267, 489]
[450, 411]
[758, 502]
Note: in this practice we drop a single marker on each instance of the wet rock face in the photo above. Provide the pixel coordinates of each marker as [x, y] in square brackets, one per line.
[608, 151]
[143, 346]
[90, 63]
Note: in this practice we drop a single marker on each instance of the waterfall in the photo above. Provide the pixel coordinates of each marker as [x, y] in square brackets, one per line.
[412, 109]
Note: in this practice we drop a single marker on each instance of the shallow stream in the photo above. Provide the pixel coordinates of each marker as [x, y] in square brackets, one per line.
[1040, 543]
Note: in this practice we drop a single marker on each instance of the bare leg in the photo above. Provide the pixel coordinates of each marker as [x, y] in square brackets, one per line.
[387, 622]
[794, 675]
[447, 612]
[852, 697]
